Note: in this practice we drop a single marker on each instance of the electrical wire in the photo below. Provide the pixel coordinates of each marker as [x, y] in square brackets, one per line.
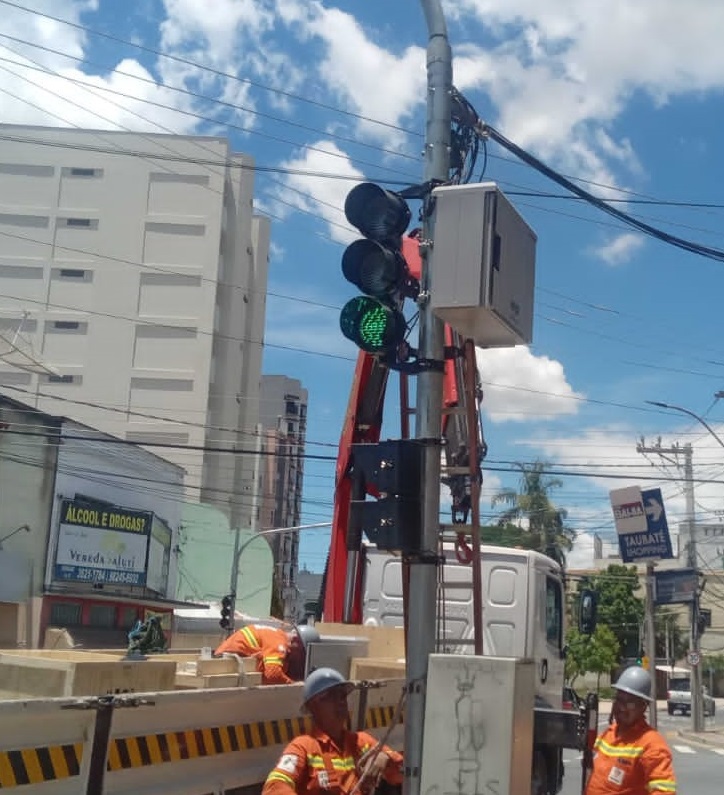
[625, 218]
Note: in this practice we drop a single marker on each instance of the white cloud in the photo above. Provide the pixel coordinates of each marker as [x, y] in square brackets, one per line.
[318, 195]
[371, 81]
[213, 28]
[619, 249]
[561, 72]
[523, 387]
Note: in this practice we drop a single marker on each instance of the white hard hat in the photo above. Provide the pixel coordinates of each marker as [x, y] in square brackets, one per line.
[635, 680]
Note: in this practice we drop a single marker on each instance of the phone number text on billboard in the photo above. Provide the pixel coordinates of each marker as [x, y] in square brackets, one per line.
[111, 576]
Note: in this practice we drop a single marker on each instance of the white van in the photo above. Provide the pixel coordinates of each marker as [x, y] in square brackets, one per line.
[523, 608]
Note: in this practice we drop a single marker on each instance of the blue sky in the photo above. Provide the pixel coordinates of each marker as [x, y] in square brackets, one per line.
[625, 95]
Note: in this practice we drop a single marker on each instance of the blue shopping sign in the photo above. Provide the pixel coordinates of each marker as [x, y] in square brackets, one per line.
[650, 543]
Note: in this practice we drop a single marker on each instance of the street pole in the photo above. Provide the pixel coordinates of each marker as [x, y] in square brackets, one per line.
[424, 567]
[239, 551]
[651, 640]
[237, 530]
[697, 707]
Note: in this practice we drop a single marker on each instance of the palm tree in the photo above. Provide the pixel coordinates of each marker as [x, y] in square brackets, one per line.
[531, 504]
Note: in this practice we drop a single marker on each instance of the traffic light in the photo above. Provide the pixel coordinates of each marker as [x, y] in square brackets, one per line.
[375, 264]
[703, 620]
[227, 610]
[392, 472]
[587, 612]
[645, 663]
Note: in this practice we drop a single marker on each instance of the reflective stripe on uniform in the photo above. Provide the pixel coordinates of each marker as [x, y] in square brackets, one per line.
[621, 751]
[343, 763]
[250, 637]
[277, 775]
[662, 785]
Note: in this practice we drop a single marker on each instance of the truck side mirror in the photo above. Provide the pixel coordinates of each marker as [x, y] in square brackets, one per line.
[588, 609]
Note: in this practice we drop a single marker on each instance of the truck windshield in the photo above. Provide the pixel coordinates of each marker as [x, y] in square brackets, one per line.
[681, 683]
[554, 612]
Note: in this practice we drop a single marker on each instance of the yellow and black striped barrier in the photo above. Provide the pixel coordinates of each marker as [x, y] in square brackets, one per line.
[35, 765]
[152, 749]
[50, 763]
[379, 717]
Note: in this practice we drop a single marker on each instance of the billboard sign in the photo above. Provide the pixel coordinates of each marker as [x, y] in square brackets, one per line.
[675, 586]
[643, 533]
[98, 544]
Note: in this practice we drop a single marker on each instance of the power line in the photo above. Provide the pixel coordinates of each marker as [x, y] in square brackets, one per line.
[219, 73]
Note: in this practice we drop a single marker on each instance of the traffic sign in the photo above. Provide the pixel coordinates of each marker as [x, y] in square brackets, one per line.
[643, 533]
[675, 586]
[693, 658]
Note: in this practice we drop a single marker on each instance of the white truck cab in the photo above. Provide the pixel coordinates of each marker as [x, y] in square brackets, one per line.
[523, 608]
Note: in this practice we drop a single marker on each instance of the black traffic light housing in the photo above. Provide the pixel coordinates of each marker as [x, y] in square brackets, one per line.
[587, 611]
[703, 620]
[376, 265]
[392, 472]
[227, 611]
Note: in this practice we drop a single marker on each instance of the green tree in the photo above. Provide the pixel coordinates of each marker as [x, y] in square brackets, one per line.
[597, 653]
[530, 508]
[619, 607]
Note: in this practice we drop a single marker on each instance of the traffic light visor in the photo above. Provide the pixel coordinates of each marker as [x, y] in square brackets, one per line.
[372, 325]
[373, 268]
[378, 213]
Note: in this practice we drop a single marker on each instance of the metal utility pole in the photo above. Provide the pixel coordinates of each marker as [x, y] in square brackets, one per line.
[697, 706]
[650, 647]
[423, 568]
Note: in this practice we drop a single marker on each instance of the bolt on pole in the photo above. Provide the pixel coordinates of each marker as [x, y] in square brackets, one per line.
[423, 568]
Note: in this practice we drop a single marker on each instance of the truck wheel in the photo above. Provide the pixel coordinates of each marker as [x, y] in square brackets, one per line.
[539, 777]
[670, 709]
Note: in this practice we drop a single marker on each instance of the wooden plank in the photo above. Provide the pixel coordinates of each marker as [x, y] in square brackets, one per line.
[376, 668]
[189, 681]
[220, 665]
[75, 674]
[383, 641]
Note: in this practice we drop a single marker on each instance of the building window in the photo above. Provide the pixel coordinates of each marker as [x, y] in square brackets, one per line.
[67, 325]
[85, 172]
[62, 379]
[72, 273]
[291, 408]
[79, 223]
[128, 618]
[65, 614]
[102, 616]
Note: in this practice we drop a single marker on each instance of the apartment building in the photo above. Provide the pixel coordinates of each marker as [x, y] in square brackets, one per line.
[283, 417]
[132, 293]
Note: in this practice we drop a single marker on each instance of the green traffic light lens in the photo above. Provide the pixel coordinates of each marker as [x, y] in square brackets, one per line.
[372, 325]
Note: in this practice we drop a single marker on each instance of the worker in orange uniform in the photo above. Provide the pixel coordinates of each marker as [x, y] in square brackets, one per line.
[331, 758]
[631, 758]
[280, 653]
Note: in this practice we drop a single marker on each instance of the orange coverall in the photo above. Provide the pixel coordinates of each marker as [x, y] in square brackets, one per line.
[269, 645]
[312, 764]
[636, 761]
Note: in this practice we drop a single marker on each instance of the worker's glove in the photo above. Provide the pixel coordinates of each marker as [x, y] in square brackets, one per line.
[371, 767]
